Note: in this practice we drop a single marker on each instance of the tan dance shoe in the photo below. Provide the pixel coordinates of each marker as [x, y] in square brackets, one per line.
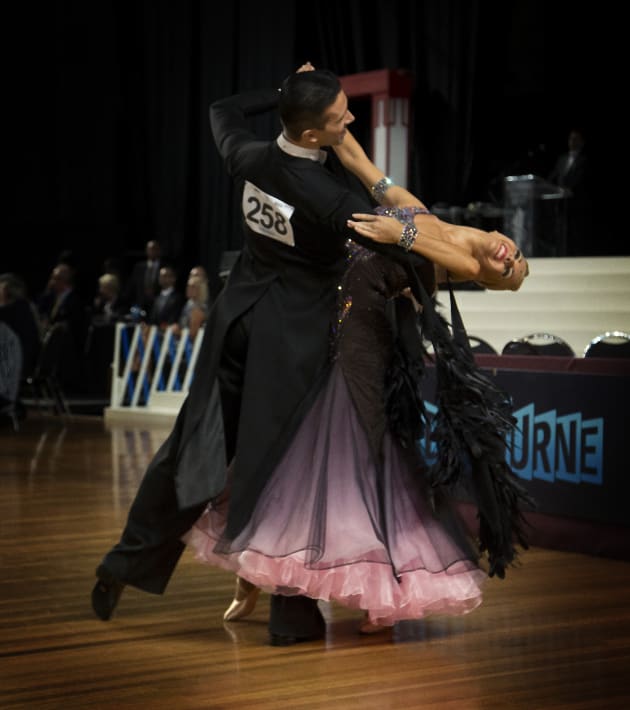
[245, 598]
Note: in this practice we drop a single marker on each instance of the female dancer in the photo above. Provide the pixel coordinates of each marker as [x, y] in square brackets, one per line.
[361, 520]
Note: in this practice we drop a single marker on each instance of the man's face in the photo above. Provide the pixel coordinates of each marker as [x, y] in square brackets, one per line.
[338, 118]
[153, 251]
[166, 277]
[58, 279]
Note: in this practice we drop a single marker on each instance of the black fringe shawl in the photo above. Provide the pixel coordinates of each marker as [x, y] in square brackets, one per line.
[473, 420]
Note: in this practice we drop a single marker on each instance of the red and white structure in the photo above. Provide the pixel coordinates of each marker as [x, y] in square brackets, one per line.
[390, 92]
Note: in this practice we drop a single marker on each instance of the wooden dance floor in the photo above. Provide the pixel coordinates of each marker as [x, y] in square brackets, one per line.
[554, 634]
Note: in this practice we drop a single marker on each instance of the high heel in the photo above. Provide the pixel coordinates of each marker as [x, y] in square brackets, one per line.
[245, 598]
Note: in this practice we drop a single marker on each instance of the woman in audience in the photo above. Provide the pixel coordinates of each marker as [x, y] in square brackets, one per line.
[195, 310]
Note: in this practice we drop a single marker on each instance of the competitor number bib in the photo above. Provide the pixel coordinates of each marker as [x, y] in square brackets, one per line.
[267, 215]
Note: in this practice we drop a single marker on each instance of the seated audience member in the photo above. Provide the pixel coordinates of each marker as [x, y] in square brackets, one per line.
[168, 304]
[195, 310]
[19, 314]
[10, 368]
[108, 306]
[107, 310]
[65, 304]
[113, 265]
[67, 307]
[199, 272]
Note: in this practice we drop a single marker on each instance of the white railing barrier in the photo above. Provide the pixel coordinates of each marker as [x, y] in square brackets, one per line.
[152, 369]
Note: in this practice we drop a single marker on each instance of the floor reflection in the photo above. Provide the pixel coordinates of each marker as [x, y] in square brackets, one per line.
[132, 448]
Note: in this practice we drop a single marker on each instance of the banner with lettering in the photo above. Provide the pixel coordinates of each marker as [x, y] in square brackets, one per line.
[571, 446]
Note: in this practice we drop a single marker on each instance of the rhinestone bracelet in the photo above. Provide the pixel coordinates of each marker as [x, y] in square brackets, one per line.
[380, 188]
[408, 236]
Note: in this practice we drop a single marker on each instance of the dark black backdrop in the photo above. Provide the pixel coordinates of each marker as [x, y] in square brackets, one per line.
[107, 113]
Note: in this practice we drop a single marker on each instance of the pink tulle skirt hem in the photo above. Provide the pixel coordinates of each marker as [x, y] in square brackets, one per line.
[358, 585]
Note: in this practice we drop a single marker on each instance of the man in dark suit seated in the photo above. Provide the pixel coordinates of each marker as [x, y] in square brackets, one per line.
[66, 306]
[143, 285]
[168, 304]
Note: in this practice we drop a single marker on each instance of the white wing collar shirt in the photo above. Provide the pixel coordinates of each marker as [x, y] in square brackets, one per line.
[315, 154]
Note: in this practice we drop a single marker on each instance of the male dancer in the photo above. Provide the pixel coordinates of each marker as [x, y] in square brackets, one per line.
[265, 347]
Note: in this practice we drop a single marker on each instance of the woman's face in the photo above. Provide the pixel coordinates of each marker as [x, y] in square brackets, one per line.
[192, 289]
[503, 266]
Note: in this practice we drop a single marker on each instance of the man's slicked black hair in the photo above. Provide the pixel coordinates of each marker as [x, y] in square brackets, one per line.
[304, 98]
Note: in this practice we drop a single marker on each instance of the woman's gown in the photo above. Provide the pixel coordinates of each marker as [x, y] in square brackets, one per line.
[345, 516]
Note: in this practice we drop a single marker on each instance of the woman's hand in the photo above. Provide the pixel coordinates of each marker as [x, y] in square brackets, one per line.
[376, 227]
[307, 66]
[406, 292]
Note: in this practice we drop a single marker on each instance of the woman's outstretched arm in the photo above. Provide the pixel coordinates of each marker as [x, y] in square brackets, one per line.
[429, 243]
[354, 159]
[432, 242]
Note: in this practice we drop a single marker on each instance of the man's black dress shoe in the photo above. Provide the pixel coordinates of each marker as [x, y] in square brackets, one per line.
[106, 593]
[294, 619]
[281, 640]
